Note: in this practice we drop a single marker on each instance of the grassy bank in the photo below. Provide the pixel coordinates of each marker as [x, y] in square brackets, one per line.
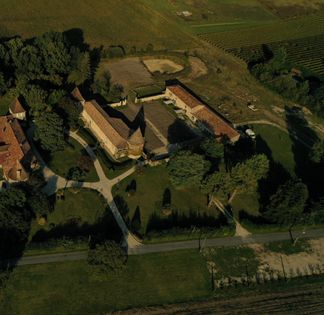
[70, 288]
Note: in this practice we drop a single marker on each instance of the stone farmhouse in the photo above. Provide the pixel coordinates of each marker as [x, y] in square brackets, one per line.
[16, 156]
[114, 135]
[201, 114]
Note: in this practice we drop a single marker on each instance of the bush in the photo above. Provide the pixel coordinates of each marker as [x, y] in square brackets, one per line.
[107, 258]
[114, 52]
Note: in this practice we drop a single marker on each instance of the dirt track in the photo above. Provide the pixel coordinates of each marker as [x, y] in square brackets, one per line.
[305, 300]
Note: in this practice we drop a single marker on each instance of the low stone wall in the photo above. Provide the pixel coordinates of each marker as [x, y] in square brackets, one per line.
[118, 104]
[149, 98]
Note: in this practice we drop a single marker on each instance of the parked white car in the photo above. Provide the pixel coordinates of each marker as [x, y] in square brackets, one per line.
[250, 133]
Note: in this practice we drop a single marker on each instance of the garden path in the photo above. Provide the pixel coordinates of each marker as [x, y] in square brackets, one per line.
[103, 186]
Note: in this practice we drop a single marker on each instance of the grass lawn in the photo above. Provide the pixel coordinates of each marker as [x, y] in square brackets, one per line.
[76, 215]
[148, 90]
[62, 161]
[87, 136]
[151, 184]
[247, 202]
[112, 168]
[277, 145]
[69, 287]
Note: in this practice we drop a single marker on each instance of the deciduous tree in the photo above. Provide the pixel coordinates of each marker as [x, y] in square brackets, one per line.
[317, 152]
[50, 132]
[187, 169]
[213, 149]
[286, 206]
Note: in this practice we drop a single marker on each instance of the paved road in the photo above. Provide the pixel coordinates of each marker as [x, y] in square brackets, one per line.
[172, 246]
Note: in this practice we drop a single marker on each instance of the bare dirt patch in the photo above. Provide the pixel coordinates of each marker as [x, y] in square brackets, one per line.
[162, 65]
[130, 72]
[198, 67]
[300, 261]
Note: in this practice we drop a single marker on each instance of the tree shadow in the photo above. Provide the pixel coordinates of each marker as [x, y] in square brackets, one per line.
[105, 228]
[136, 222]
[75, 37]
[166, 199]
[277, 174]
[122, 207]
[303, 137]
[184, 221]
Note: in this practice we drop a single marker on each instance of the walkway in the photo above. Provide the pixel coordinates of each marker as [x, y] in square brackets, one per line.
[172, 246]
[103, 186]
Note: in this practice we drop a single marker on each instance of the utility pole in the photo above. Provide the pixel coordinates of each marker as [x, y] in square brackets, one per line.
[283, 268]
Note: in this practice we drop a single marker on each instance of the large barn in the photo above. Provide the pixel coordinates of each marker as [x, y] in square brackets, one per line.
[201, 114]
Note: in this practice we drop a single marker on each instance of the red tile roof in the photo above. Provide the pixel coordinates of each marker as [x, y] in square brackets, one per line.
[14, 147]
[185, 96]
[219, 126]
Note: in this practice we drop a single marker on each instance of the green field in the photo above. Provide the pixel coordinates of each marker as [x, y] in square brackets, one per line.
[62, 161]
[70, 288]
[277, 145]
[103, 22]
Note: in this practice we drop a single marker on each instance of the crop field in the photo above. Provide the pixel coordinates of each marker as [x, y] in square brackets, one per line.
[304, 52]
[292, 8]
[303, 39]
[274, 32]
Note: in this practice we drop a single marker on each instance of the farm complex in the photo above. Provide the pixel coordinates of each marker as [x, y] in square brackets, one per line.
[161, 157]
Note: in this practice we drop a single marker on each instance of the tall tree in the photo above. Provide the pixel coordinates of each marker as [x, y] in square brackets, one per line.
[102, 85]
[54, 51]
[243, 177]
[187, 169]
[80, 68]
[50, 132]
[39, 204]
[3, 85]
[70, 111]
[15, 218]
[286, 206]
[213, 149]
